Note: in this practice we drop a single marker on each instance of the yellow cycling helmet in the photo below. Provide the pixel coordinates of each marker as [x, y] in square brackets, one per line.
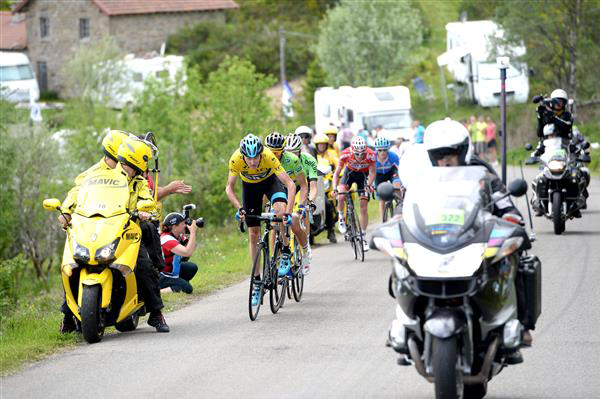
[112, 141]
[135, 153]
[321, 138]
[331, 130]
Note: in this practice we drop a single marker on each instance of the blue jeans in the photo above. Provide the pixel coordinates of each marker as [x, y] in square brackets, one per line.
[187, 271]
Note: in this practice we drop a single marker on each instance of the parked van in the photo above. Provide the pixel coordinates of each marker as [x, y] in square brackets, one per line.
[17, 80]
[470, 58]
[365, 107]
[138, 70]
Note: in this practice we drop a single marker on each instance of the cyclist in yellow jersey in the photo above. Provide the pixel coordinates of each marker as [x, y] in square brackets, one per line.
[262, 175]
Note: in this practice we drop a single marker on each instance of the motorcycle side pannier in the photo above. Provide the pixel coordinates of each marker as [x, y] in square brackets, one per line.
[529, 288]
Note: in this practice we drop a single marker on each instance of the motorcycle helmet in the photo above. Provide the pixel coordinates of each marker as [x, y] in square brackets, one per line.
[293, 142]
[446, 137]
[331, 131]
[549, 130]
[321, 138]
[112, 141]
[559, 96]
[275, 141]
[381, 143]
[135, 153]
[358, 145]
[303, 131]
[251, 146]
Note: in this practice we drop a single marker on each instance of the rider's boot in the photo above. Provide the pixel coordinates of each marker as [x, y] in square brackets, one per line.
[331, 236]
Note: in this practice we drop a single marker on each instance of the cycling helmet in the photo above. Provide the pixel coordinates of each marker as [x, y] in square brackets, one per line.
[559, 95]
[381, 143]
[358, 145]
[275, 141]
[112, 141]
[251, 146]
[447, 137]
[549, 129]
[300, 130]
[331, 130]
[321, 138]
[135, 153]
[293, 142]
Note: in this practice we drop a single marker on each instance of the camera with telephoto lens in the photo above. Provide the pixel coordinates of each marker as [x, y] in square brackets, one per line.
[188, 220]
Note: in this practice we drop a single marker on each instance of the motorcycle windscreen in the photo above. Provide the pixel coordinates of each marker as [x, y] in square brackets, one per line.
[554, 149]
[103, 193]
[443, 211]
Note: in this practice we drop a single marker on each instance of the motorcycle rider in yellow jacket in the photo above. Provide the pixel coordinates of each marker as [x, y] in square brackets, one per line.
[131, 155]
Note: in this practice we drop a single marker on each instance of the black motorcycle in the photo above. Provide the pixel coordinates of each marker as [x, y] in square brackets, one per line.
[456, 268]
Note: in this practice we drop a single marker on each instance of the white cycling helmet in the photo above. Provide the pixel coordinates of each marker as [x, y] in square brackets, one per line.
[448, 137]
[303, 130]
[358, 145]
[293, 142]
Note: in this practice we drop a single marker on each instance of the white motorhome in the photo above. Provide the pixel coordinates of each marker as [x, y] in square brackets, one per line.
[138, 71]
[470, 58]
[361, 107]
[17, 80]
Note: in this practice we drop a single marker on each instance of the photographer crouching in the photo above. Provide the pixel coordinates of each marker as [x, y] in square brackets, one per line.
[177, 249]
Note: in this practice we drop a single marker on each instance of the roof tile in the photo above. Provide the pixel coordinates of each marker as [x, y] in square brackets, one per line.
[13, 35]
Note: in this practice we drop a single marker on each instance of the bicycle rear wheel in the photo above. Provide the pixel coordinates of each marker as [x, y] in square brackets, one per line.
[278, 285]
[297, 283]
[261, 266]
[358, 239]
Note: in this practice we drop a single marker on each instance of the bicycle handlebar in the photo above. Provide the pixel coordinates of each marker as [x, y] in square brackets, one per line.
[263, 217]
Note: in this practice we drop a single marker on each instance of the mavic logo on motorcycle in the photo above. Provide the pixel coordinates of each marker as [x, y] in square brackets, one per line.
[131, 236]
[105, 182]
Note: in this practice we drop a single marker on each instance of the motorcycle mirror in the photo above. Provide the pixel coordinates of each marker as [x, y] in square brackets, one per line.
[385, 191]
[51, 204]
[585, 158]
[145, 206]
[517, 188]
[528, 147]
[586, 145]
[537, 99]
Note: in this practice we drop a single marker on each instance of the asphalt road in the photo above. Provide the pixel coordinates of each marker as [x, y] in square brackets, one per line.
[331, 345]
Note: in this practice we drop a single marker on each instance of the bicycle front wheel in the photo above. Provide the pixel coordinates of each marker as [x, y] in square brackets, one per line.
[358, 239]
[351, 226]
[297, 283]
[257, 281]
[278, 286]
[388, 211]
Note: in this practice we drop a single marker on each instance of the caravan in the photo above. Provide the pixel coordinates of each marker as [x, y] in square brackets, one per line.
[365, 107]
[470, 58]
[17, 81]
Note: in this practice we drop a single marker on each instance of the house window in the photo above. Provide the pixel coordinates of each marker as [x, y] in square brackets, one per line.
[44, 27]
[84, 28]
[42, 75]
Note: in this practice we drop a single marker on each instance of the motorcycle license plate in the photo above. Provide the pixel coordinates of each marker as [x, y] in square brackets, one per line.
[448, 216]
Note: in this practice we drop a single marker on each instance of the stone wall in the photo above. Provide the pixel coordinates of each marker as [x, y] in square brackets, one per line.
[63, 40]
[144, 33]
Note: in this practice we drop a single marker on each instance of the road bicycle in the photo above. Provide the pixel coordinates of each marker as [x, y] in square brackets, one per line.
[354, 232]
[390, 205]
[264, 268]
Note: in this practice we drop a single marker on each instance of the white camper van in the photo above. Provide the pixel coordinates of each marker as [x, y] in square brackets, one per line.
[16, 78]
[138, 71]
[471, 61]
[361, 107]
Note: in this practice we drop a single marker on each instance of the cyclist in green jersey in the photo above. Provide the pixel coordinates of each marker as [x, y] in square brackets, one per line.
[293, 144]
[292, 165]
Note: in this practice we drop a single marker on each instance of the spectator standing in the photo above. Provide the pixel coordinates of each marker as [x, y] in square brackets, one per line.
[490, 138]
[418, 131]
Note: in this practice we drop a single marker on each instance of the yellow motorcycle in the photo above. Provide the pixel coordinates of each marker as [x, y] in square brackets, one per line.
[100, 255]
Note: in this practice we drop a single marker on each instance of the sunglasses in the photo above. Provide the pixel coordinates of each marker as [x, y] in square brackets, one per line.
[382, 150]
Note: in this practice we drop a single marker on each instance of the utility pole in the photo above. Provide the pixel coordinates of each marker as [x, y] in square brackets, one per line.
[503, 63]
[282, 63]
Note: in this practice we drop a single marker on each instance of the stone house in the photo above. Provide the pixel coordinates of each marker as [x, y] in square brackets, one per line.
[56, 28]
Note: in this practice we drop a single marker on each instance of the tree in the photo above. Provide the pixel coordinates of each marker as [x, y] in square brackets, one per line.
[366, 43]
[562, 39]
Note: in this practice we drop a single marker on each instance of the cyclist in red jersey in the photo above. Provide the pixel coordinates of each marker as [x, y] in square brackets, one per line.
[358, 163]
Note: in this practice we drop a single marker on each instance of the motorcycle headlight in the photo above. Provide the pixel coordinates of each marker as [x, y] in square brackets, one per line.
[556, 166]
[81, 253]
[107, 252]
[400, 269]
[509, 246]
